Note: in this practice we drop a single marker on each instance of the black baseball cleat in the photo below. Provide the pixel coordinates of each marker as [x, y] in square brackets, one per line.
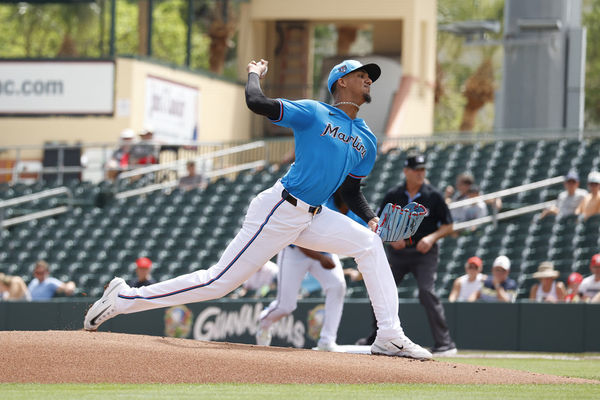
[444, 351]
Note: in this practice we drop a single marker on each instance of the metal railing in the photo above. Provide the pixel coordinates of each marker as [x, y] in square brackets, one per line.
[37, 214]
[274, 151]
[502, 193]
[171, 184]
[503, 215]
[175, 165]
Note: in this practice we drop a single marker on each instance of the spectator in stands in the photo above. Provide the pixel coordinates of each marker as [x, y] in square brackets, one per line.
[260, 283]
[464, 182]
[590, 286]
[120, 159]
[13, 288]
[477, 210]
[498, 287]
[591, 203]
[192, 180]
[44, 287]
[143, 266]
[146, 150]
[573, 282]
[467, 189]
[466, 286]
[548, 290]
[569, 200]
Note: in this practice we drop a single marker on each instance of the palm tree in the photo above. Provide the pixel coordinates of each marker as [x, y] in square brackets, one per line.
[219, 16]
[479, 85]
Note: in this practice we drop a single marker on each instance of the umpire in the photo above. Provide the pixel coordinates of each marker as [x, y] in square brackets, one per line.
[419, 255]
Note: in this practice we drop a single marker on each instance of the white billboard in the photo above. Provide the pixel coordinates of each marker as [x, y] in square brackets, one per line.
[57, 87]
[171, 110]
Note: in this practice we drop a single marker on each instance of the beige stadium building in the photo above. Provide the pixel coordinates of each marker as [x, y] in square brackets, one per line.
[185, 105]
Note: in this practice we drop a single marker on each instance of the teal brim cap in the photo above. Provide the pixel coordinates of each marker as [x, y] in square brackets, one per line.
[347, 66]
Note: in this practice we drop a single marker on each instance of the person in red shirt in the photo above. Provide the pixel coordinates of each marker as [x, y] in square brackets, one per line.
[573, 282]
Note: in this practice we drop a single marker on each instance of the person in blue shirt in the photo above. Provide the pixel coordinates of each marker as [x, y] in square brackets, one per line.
[498, 287]
[44, 287]
[334, 149]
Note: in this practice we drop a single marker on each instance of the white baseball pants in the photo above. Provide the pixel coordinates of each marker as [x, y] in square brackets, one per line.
[271, 224]
[293, 266]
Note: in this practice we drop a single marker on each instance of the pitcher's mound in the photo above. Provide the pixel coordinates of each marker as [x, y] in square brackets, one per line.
[93, 357]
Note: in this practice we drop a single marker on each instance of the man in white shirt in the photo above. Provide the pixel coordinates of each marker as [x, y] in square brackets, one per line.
[465, 287]
[590, 287]
[569, 200]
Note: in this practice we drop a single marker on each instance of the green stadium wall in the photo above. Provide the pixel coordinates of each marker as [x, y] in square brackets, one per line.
[479, 326]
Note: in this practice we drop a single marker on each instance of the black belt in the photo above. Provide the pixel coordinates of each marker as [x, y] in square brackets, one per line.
[293, 201]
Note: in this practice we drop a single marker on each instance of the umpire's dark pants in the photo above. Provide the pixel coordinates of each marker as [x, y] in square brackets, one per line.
[424, 269]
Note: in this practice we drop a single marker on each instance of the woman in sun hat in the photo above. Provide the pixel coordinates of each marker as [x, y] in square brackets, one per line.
[548, 290]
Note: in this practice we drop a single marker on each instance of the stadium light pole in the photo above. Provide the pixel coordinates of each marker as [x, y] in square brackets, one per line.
[149, 34]
[113, 22]
[188, 45]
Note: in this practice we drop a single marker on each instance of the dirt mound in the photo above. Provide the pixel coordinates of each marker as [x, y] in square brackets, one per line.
[86, 357]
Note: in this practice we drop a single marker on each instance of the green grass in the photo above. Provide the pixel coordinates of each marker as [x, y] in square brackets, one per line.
[312, 392]
[587, 369]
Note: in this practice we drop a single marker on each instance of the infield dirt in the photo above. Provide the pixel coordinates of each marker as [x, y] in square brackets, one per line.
[104, 357]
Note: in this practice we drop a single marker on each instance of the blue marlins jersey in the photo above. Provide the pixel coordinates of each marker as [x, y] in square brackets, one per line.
[329, 147]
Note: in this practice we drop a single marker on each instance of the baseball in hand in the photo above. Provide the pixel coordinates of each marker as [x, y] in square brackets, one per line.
[264, 72]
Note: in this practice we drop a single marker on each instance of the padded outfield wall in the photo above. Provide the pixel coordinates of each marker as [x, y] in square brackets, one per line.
[481, 326]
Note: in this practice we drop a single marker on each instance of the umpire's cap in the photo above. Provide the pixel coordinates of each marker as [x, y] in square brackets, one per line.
[347, 66]
[415, 160]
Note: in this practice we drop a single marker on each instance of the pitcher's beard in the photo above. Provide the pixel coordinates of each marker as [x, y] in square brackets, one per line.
[367, 98]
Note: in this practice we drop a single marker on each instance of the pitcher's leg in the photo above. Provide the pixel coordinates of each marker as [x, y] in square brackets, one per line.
[333, 232]
[270, 224]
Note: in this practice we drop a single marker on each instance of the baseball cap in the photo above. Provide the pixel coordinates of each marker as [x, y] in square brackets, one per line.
[475, 260]
[147, 129]
[415, 161]
[347, 66]
[502, 262]
[595, 261]
[594, 177]
[127, 134]
[575, 277]
[143, 262]
[572, 176]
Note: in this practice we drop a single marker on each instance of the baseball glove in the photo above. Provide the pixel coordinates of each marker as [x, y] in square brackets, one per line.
[400, 223]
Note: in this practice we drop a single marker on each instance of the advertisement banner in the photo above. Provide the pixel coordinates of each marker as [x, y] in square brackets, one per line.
[171, 110]
[57, 87]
